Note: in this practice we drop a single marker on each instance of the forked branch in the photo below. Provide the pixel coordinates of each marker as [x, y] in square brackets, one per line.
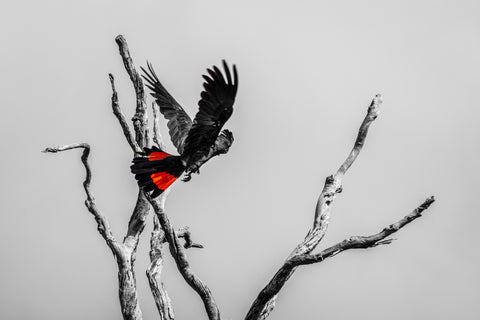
[178, 252]
[176, 249]
[140, 117]
[265, 301]
[123, 254]
[121, 118]
[363, 242]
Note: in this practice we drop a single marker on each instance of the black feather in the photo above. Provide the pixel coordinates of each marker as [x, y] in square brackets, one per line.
[179, 123]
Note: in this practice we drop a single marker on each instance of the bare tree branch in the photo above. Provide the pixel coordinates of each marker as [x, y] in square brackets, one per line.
[333, 184]
[140, 117]
[138, 219]
[125, 252]
[126, 277]
[363, 242]
[157, 137]
[121, 118]
[160, 295]
[137, 222]
[187, 236]
[102, 223]
[141, 211]
[264, 303]
[179, 254]
[128, 286]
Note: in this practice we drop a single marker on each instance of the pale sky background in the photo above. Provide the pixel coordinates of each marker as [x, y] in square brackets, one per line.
[308, 70]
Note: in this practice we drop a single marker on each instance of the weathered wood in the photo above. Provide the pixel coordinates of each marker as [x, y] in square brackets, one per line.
[154, 272]
[140, 118]
[178, 252]
[123, 254]
[265, 301]
[164, 232]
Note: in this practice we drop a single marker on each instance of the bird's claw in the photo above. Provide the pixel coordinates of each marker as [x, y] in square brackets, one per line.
[187, 177]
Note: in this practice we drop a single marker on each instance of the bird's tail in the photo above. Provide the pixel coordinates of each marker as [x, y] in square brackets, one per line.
[156, 170]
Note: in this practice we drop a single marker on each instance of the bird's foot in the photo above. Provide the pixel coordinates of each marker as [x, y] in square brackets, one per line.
[187, 177]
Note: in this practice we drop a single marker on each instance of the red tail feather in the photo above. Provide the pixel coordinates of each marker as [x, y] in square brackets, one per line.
[163, 180]
[156, 170]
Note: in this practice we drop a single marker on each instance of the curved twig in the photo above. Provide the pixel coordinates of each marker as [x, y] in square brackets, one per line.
[102, 223]
[123, 255]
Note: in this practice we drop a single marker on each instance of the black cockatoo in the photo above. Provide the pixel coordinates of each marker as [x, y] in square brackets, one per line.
[197, 141]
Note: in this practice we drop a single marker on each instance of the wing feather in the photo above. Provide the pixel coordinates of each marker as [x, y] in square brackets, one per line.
[179, 123]
[215, 108]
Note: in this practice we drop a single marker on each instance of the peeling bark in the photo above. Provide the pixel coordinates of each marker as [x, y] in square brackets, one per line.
[154, 272]
[178, 252]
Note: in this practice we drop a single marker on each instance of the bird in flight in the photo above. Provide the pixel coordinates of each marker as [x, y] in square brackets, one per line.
[196, 141]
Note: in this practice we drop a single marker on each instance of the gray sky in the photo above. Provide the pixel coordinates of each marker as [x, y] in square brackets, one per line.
[307, 70]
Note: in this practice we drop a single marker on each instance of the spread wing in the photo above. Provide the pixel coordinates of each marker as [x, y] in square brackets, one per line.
[179, 123]
[215, 108]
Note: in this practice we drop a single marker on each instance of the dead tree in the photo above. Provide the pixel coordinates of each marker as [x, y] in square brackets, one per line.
[164, 233]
